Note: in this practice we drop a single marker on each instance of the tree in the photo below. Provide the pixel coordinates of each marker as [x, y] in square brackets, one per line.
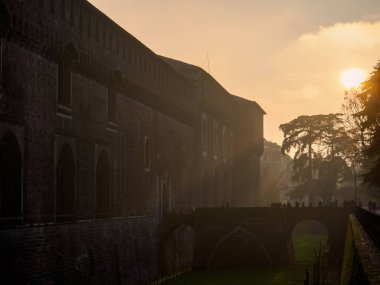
[370, 100]
[355, 129]
[319, 142]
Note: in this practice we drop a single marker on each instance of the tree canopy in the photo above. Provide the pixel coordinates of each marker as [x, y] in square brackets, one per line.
[370, 99]
[319, 144]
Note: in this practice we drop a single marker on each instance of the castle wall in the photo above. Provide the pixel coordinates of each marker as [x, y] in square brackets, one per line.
[77, 91]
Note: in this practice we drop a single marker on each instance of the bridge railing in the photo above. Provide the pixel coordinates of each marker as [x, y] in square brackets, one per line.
[371, 224]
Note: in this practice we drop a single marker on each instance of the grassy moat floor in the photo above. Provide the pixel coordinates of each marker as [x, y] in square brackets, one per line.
[304, 245]
[277, 276]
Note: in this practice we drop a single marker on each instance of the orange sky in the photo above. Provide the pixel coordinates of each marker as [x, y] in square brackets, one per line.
[285, 54]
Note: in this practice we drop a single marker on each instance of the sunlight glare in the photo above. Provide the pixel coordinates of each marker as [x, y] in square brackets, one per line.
[352, 77]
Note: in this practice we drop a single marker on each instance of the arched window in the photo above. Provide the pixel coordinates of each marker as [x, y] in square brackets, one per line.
[68, 60]
[65, 184]
[112, 104]
[102, 185]
[5, 22]
[10, 177]
[114, 87]
[63, 10]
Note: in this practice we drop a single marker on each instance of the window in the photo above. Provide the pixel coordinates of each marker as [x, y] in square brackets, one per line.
[111, 41]
[63, 10]
[147, 153]
[215, 140]
[10, 177]
[102, 185]
[231, 147]
[224, 143]
[111, 104]
[115, 86]
[204, 134]
[89, 26]
[65, 67]
[72, 16]
[52, 6]
[81, 18]
[97, 30]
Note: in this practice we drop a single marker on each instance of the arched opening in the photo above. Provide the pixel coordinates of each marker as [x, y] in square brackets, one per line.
[239, 249]
[4, 20]
[178, 249]
[65, 184]
[115, 86]
[102, 185]
[66, 64]
[309, 237]
[10, 177]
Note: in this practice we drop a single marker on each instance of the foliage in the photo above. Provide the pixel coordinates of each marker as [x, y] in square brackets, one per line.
[355, 129]
[319, 142]
[370, 100]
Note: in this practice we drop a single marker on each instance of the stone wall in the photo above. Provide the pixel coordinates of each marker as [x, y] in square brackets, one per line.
[116, 251]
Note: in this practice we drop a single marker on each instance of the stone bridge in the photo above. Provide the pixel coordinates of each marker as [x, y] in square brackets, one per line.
[248, 237]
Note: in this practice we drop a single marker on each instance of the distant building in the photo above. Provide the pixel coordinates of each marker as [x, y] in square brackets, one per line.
[99, 139]
[275, 176]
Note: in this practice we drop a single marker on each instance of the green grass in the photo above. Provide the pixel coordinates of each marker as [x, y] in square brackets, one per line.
[304, 245]
[276, 276]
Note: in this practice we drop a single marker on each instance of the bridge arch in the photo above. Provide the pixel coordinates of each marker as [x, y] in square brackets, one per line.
[305, 237]
[267, 229]
[238, 248]
[334, 219]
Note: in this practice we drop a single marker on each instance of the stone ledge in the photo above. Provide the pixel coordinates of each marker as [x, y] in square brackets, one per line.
[368, 253]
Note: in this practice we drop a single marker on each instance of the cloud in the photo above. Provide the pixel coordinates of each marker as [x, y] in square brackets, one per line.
[304, 76]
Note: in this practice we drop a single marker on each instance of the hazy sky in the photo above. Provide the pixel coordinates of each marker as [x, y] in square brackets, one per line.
[285, 54]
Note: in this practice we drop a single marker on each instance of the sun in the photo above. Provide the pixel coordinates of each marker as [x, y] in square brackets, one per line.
[352, 77]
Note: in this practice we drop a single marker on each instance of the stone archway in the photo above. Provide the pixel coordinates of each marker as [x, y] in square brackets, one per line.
[10, 177]
[239, 248]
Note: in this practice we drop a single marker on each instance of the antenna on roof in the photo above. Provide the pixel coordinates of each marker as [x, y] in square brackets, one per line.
[208, 64]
